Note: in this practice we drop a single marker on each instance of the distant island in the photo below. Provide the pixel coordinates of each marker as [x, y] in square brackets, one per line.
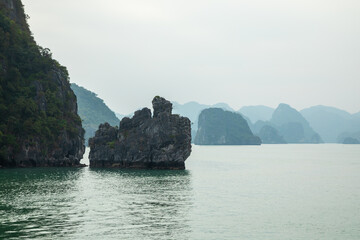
[349, 135]
[350, 140]
[316, 124]
[220, 127]
[93, 111]
[193, 109]
[288, 125]
[292, 126]
[158, 141]
[257, 113]
[333, 124]
[270, 135]
[39, 124]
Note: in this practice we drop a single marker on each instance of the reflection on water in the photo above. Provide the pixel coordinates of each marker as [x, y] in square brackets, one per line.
[88, 203]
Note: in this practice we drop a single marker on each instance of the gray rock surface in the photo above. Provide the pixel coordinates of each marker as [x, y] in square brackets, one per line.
[162, 141]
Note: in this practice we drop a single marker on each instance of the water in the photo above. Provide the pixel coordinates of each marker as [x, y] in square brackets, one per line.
[227, 192]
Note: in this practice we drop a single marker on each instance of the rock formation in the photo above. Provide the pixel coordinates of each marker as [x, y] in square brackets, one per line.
[220, 127]
[39, 125]
[161, 141]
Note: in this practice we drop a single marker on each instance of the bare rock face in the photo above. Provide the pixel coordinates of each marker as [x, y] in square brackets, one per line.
[159, 142]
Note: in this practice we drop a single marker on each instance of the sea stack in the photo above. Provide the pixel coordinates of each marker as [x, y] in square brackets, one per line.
[161, 141]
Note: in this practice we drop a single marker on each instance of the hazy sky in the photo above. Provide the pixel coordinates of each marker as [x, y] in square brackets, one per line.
[244, 52]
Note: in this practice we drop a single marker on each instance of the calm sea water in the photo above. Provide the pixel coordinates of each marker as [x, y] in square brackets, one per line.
[227, 192]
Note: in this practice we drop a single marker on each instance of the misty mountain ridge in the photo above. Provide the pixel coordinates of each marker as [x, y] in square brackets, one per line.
[293, 126]
[323, 123]
[256, 113]
[356, 115]
[286, 125]
[270, 135]
[328, 109]
[331, 122]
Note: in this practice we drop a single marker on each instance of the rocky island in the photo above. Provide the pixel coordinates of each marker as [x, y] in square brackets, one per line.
[39, 124]
[220, 127]
[161, 141]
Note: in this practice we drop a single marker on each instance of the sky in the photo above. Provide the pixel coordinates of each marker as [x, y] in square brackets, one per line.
[242, 52]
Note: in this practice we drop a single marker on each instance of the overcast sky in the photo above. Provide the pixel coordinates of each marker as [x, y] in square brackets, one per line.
[244, 52]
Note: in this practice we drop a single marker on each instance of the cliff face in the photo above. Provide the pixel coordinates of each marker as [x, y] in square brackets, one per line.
[39, 125]
[219, 127]
[159, 142]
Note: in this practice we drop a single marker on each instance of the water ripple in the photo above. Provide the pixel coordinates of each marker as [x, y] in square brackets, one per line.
[87, 203]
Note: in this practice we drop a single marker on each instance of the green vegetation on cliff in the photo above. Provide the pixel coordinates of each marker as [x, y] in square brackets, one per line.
[93, 111]
[37, 106]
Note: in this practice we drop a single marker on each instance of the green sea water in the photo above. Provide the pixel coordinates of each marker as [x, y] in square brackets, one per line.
[227, 192]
